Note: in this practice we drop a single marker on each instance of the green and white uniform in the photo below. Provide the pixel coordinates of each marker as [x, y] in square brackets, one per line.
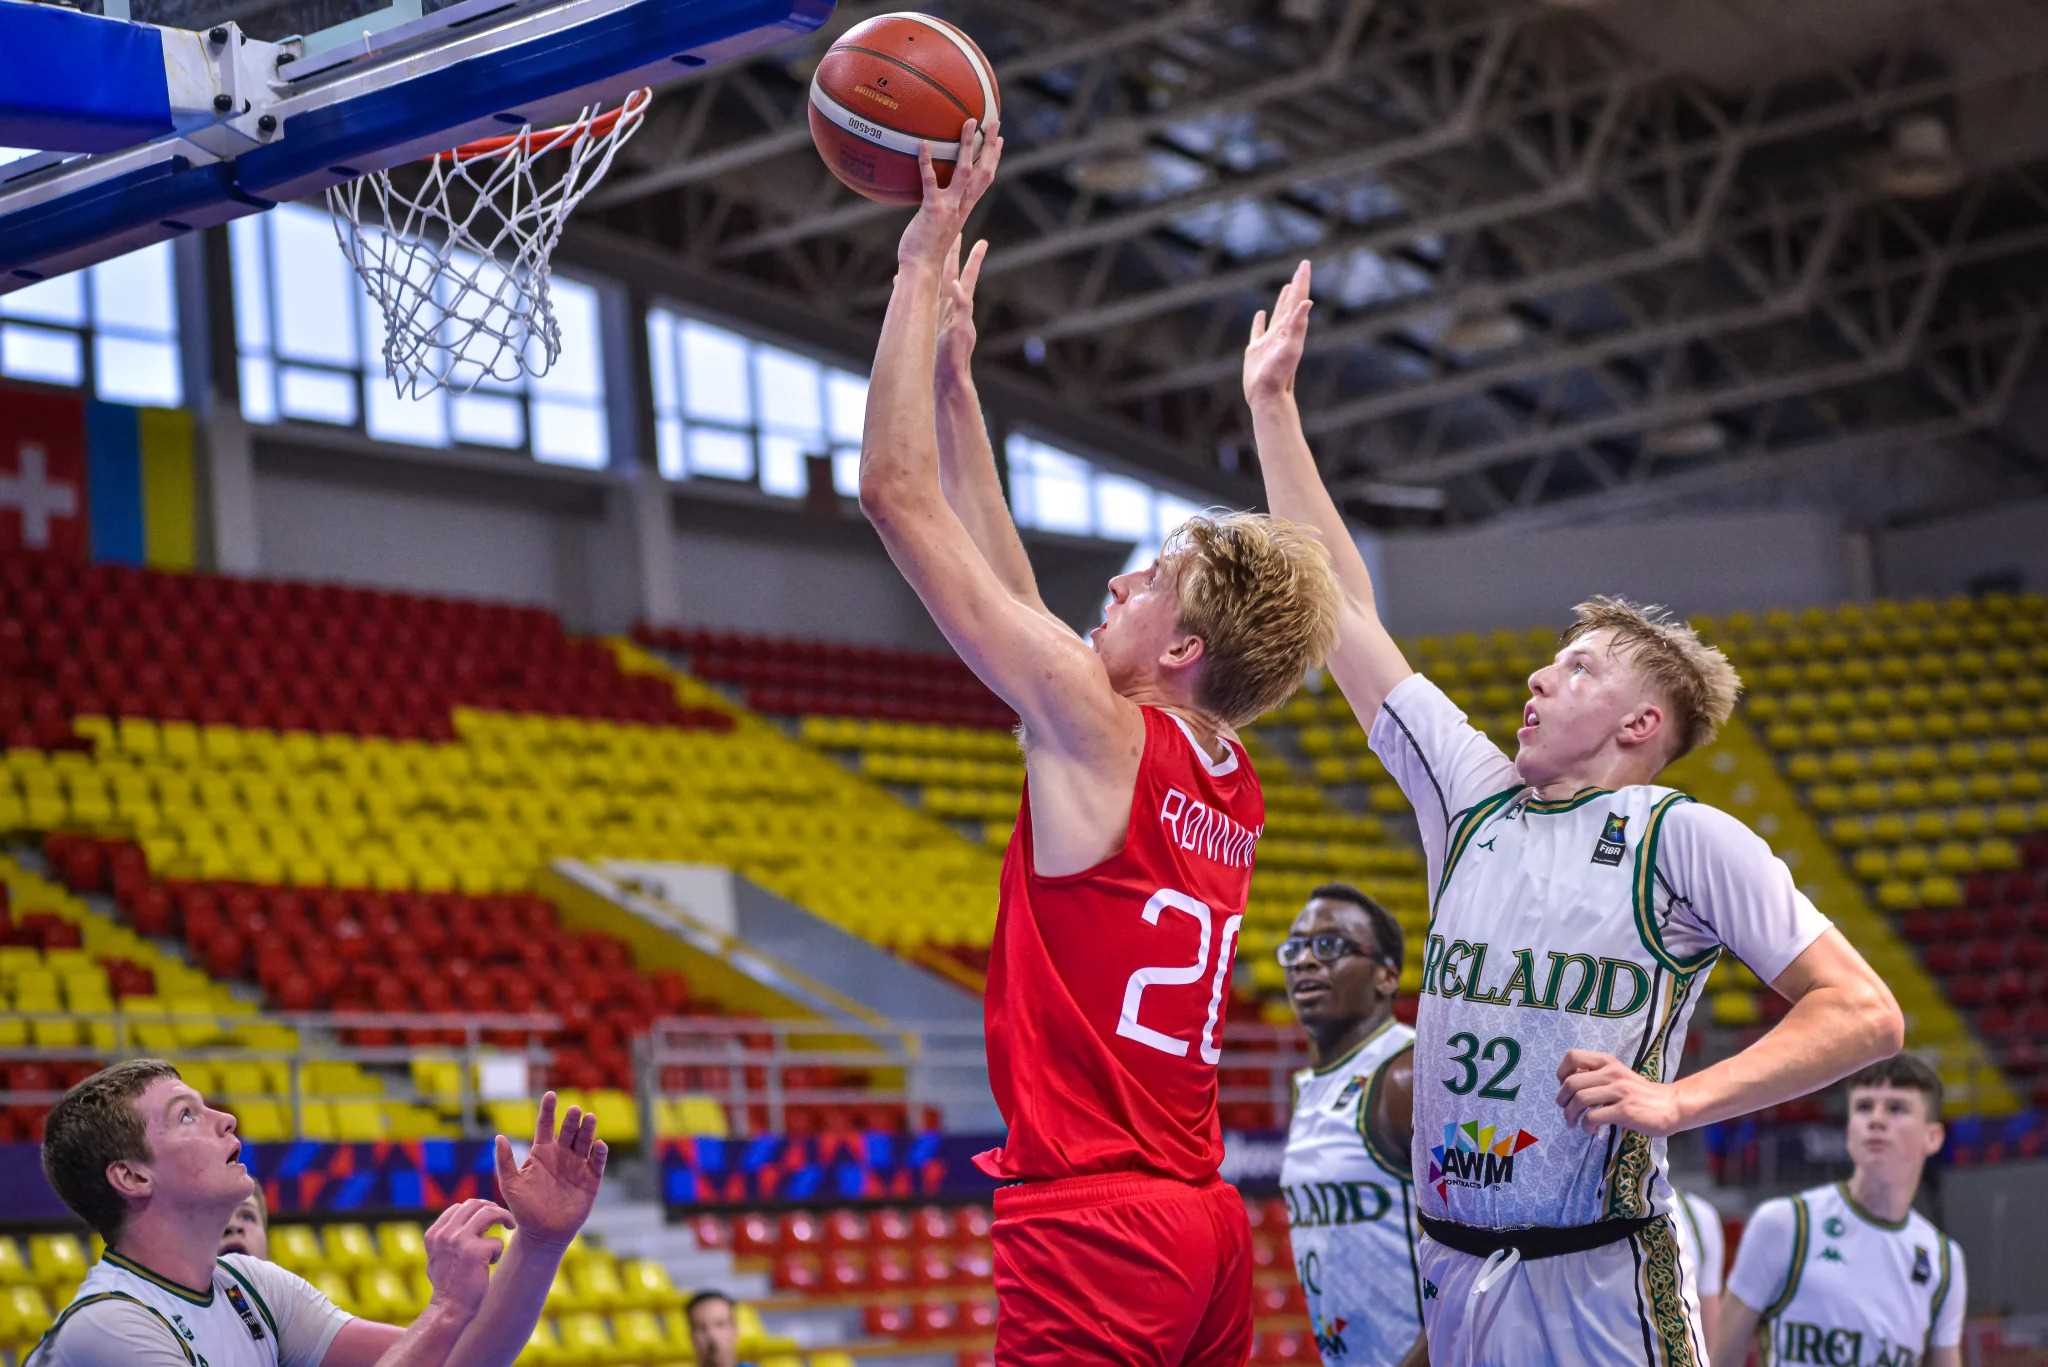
[1351, 1210]
[1836, 1285]
[1701, 1242]
[1586, 923]
[254, 1314]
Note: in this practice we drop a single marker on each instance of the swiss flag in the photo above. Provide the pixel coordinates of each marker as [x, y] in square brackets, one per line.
[42, 473]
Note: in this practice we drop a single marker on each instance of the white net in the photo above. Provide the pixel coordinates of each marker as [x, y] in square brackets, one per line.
[458, 264]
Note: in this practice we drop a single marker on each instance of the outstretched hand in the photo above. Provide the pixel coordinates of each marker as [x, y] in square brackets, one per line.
[550, 1194]
[460, 1252]
[1274, 352]
[943, 213]
[956, 307]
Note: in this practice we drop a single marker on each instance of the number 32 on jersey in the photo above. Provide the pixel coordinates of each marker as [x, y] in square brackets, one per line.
[1225, 945]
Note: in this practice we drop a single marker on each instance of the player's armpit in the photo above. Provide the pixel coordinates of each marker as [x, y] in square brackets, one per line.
[1393, 1121]
[1033, 663]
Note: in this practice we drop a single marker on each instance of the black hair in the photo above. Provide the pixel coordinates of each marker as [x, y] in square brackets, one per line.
[704, 1298]
[1386, 931]
[1908, 1071]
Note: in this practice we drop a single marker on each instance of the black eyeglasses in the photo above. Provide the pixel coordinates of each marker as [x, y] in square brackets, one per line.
[1327, 948]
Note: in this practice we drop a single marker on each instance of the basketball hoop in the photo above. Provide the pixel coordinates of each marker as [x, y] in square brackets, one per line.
[459, 266]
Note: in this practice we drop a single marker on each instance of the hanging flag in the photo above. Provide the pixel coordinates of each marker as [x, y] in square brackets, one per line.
[79, 477]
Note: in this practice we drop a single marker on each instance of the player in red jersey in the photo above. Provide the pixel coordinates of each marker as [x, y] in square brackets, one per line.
[1123, 888]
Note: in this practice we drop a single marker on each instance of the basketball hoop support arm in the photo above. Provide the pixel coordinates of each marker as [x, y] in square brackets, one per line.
[86, 83]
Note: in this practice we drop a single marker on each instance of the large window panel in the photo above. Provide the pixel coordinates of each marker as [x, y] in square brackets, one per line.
[311, 339]
[113, 325]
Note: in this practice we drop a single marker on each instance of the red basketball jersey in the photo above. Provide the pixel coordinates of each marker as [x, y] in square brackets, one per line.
[1107, 988]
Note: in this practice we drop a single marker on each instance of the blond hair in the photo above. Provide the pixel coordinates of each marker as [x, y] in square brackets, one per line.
[1260, 593]
[1694, 677]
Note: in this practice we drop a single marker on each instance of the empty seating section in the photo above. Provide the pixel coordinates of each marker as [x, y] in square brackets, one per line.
[784, 677]
[923, 1275]
[1918, 733]
[603, 1311]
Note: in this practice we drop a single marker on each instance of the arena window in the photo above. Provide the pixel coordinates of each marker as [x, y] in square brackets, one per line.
[112, 329]
[1057, 491]
[727, 406]
[311, 350]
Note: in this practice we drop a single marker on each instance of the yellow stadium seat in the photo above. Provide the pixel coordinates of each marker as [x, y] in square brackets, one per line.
[334, 1285]
[382, 1293]
[647, 1284]
[639, 1337]
[296, 1247]
[57, 1262]
[359, 1121]
[1736, 1008]
[586, 1341]
[14, 1270]
[401, 1243]
[349, 1246]
[543, 1348]
[24, 1315]
[597, 1284]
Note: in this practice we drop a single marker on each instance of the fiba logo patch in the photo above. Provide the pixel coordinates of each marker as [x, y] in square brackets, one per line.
[1475, 1156]
[1613, 841]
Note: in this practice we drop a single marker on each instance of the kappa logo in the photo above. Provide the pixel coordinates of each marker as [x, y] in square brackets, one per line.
[1428, 1289]
[1613, 842]
[1831, 1254]
[1475, 1156]
[1487, 843]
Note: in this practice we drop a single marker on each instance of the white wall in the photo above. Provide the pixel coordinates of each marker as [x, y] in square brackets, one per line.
[1477, 580]
[1943, 557]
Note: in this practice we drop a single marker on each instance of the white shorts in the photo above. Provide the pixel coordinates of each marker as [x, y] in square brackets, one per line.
[1629, 1302]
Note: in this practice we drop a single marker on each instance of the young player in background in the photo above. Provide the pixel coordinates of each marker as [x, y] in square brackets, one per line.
[1576, 911]
[1850, 1274]
[1346, 1179]
[1126, 880]
[248, 1228]
[1703, 1248]
[142, 1158]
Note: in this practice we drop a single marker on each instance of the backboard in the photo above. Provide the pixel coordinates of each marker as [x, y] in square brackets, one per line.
[162, 116]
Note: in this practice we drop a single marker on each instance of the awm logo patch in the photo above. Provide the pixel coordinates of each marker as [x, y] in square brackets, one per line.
[1474, 1155]
[1613, 841]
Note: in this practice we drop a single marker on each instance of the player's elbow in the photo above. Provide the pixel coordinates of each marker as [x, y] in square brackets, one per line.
[1881, 1024]
[883, 491]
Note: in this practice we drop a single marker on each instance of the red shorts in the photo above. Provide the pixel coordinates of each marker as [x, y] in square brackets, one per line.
[1123, 1270]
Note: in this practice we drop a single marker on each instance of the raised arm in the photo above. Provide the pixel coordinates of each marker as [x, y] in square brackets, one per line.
[1031, 661]
[967, 459]
[1366, 663]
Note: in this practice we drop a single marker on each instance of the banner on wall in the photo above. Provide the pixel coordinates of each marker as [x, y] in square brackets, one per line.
[100, 480]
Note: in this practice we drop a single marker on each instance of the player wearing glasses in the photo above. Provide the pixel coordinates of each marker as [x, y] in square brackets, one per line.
[1346, 1176]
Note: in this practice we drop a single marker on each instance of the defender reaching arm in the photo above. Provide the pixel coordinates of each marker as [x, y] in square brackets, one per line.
[1366, 663]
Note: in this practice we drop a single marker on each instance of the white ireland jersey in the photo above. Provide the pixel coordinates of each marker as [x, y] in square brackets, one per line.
[1836, 1285]
[1351, 1210]
[1700, 1241]
[254, 1314]
[1585, 923]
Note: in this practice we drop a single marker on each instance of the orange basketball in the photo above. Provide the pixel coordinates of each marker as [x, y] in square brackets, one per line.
[888, 84]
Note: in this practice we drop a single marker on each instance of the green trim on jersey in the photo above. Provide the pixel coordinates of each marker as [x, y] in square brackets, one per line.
[1645, 894]
[1869, 1218]
[1940, 1296]
[1338, 1062]
[1802, 1221]
[256, 1296]
[1631, 1173]
[1664, 1294]
[1475, 817]
[1402, 1168]
[182, 1292]
[1538, 807]
[95, 1299]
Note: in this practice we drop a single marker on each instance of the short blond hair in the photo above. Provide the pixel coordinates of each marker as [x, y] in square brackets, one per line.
[1260, 593]
[1694, 677]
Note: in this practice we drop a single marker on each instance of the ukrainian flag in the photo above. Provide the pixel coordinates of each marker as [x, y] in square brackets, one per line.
[140, 482]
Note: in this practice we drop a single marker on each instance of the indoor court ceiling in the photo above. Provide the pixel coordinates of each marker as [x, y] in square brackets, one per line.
[1571, 258]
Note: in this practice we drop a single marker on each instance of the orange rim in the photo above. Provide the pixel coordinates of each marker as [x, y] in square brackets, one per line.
[551, 139]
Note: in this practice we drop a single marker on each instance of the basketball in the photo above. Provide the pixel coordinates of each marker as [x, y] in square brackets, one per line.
[888, 84]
